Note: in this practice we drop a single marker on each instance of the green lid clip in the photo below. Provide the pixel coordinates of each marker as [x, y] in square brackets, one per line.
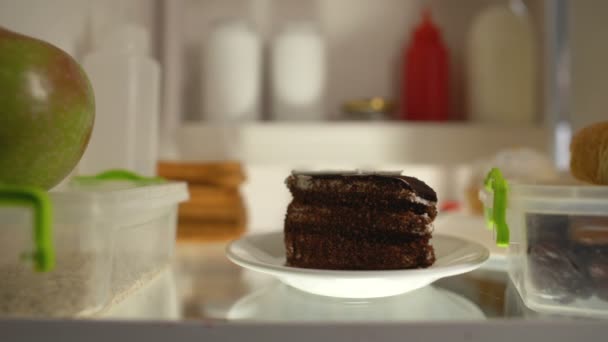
[496, 216]
[43, 254]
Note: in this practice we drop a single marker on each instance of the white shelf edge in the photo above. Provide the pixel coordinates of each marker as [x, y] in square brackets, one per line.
[357, 143]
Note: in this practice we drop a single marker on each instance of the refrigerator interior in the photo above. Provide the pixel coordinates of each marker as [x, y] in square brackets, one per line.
[364, 42]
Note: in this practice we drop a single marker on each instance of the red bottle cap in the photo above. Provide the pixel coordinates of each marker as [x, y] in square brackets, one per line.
[427, 31]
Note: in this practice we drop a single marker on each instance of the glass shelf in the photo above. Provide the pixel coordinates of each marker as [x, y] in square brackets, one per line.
[212, 288]
[203, 297]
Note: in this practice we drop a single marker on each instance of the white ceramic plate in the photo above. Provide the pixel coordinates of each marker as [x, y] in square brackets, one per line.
[473, 228]
[266, 253]
[282, 303]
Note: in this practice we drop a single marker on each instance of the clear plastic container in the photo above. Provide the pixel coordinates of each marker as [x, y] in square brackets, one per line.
[557, 235]
[109, 238]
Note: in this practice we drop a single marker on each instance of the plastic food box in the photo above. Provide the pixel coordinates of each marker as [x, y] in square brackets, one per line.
[109, 238]
[557, 235]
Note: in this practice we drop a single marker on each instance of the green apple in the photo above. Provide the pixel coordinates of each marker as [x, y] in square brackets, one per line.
[47, 111]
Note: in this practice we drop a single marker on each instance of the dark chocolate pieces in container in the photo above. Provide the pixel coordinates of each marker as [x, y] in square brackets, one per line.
[568, 255]
[558, 251]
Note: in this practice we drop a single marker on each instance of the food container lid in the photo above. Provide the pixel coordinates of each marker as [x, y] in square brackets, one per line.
[566, 197]
[116, 193]
[107, 196]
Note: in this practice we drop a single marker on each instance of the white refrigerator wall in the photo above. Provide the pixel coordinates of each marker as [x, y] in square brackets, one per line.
[73, 24]
[589, 53]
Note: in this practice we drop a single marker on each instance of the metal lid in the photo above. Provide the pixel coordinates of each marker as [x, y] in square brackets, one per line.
[369, 108]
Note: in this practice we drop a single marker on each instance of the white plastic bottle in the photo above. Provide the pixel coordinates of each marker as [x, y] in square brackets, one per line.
[232, 73]
[298, 73]
[502, 66]
[126, 82]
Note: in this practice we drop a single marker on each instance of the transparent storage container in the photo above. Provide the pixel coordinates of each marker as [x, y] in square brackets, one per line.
[109, 238]
[557, 235]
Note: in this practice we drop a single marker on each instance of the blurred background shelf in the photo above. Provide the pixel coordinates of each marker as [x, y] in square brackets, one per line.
[362, 53]
[353, 144]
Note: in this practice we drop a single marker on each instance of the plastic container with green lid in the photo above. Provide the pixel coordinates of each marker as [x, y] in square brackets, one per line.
[557, 236]
[100, 238]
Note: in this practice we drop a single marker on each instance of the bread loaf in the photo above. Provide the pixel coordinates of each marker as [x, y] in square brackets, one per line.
[589, 154]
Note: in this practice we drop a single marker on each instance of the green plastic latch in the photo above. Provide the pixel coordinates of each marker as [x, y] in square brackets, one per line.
[121, 175]
[496, 217]
[37, 199]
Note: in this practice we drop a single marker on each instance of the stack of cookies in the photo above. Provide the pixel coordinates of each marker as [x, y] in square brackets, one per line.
[215, 210]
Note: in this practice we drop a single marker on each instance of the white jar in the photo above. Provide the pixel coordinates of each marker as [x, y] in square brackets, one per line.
[126, 82]
[232, 73]
[298, 73]
[502, 66]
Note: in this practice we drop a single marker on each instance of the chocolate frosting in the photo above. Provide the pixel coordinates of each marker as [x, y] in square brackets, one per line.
[414, 184]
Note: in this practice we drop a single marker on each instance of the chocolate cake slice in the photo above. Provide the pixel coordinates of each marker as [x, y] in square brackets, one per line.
[359, 221]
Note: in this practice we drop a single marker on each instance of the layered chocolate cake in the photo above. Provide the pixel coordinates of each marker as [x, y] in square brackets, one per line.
[359, 221]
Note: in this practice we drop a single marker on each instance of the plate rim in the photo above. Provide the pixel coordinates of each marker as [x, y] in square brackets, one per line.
[283, 270]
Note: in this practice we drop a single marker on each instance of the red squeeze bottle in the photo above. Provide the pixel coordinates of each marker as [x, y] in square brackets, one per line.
[425, 88]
